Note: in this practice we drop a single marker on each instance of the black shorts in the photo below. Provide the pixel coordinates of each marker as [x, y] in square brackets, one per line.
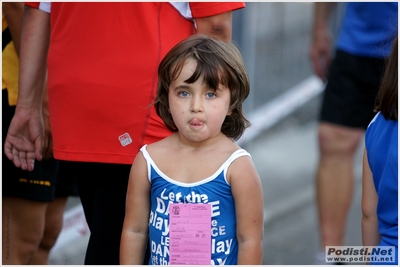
[102, 191]
[350, 93]
[48, 180]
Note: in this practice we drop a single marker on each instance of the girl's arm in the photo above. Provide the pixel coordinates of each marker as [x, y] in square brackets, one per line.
[370, 234]
[249, 206]
[135, 230]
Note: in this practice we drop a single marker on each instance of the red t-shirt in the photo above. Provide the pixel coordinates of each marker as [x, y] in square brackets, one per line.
[102, 73]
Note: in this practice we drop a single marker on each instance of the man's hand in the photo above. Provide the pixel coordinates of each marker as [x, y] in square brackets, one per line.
[322, 38]
[320, 53]
[24, 140]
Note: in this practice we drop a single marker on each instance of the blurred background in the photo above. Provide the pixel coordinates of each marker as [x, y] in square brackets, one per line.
[283, 107]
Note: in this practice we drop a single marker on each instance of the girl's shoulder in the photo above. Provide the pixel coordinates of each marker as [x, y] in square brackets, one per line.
[161, 145]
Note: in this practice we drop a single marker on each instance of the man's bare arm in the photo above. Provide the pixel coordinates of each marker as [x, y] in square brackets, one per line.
[24, 140]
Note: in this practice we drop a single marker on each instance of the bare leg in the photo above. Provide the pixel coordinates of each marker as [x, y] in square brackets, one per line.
[23, 227]
[53, 226]
[335, 179]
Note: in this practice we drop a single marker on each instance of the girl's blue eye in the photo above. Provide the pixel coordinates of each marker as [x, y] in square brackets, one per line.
[211, 95]
[183, 94]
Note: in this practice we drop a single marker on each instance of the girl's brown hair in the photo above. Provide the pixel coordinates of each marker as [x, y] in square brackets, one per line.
[386, 100]
[220, 63]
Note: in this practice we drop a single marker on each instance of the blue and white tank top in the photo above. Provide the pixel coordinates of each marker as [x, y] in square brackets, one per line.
[213, 190]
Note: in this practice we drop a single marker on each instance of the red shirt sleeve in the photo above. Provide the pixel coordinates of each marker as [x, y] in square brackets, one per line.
[205, 9]
[33, 4]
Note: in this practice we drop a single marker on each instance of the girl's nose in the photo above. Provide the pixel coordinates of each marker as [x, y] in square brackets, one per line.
[196, 104]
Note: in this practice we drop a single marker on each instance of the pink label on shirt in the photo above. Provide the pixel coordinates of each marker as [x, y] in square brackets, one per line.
[190, 234]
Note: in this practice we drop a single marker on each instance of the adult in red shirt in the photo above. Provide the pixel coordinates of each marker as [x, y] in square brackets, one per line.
[102, 63]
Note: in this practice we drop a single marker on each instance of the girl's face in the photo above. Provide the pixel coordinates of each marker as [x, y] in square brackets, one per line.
[197, 110]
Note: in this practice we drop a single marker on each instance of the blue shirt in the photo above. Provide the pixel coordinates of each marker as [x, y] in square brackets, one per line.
[368, 28]
[214, 190]
[381, 141]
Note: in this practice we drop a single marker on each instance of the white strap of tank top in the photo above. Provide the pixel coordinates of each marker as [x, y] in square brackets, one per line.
[149, 161]
[237, 154]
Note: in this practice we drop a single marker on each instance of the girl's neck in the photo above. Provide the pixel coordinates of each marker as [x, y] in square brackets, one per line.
[207, 144]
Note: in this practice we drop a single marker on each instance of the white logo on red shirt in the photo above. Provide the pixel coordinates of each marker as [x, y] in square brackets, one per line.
[125, 139]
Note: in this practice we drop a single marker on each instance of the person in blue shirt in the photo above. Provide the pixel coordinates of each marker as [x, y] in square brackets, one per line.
[380, 167]
[352, 75]
[202, 85]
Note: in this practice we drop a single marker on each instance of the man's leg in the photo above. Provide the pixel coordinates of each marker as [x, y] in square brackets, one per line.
[102, 189]
[53, 225]
[23, 227]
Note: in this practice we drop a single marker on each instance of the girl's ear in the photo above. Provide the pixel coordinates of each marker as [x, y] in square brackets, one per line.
[229, 112]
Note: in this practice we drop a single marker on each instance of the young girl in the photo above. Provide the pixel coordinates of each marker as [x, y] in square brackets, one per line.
[202, 85]
[380, 167]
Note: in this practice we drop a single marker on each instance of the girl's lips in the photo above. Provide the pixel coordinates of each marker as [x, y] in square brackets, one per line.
[196, 122]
